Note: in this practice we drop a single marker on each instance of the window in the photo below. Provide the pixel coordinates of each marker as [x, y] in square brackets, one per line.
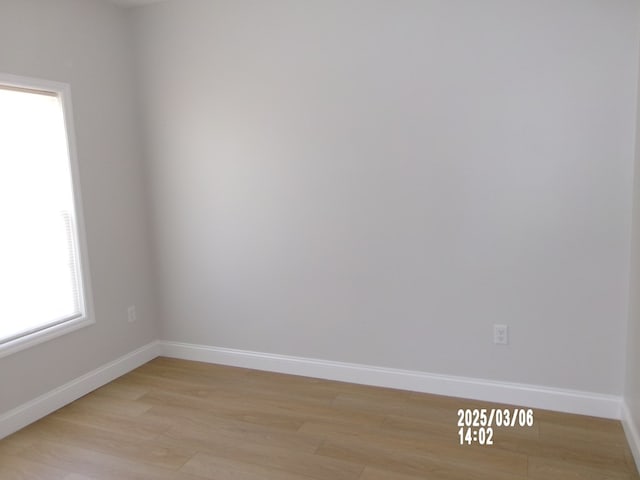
[43, 274]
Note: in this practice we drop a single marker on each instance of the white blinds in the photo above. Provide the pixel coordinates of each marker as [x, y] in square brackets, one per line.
[40, 284]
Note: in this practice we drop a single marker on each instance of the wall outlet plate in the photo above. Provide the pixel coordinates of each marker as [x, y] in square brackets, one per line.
[500, 334]
[131, 314]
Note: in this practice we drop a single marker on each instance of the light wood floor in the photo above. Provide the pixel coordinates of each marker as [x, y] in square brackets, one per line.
[178, 420]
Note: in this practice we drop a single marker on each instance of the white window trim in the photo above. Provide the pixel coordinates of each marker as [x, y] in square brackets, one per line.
[63, 90]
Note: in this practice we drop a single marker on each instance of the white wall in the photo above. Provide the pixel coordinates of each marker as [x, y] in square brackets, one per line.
[632, 385]
[380, 181]
[86, 43]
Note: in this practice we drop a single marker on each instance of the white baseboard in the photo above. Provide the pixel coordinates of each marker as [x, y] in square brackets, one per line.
[631, 432]
[571, 401]
[533, 396]
[29, 412]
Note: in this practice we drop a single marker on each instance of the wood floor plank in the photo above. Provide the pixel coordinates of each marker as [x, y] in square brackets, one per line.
[118, 444]
[142, 428]
[371, 473]
[454, 461]
[563, 469]
[95, 464]
[121, 392]
[78, 476]
[181, 420]
[210, 466]
[242, 410]
[261, 410]
[292, 461]
[196, 424]
[21, 469]
[95, 402]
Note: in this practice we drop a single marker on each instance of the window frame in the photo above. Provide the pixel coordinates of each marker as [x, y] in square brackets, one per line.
[87, 318]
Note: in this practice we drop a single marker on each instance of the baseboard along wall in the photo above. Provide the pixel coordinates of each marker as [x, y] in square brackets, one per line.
[39, 407]
[533, 396]
[631, 432]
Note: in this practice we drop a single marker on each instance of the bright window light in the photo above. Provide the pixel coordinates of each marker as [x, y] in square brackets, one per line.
[41, 284]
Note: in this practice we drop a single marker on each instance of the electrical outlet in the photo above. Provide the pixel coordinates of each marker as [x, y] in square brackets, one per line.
[501, 334]
[131, 314]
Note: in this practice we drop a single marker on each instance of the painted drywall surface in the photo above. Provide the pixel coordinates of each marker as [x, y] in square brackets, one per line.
[379, 182]
[632, 385]
[86, 43]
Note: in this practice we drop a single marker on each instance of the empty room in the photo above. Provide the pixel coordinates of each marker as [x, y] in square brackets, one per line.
[319, 239]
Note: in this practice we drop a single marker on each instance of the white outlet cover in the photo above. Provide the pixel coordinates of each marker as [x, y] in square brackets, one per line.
[501, 334]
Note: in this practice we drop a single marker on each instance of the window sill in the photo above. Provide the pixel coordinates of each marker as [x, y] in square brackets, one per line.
[42, 336]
